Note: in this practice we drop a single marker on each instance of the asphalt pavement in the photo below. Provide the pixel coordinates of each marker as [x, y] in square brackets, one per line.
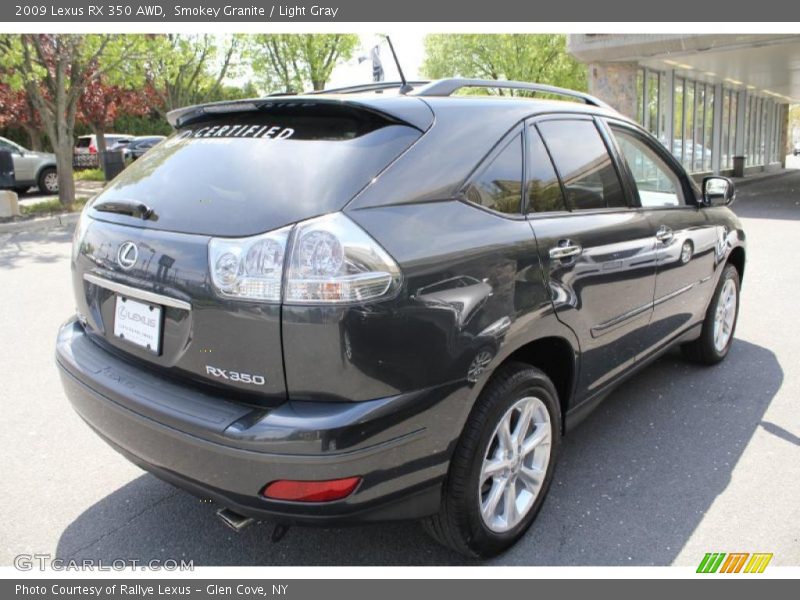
[679, 461]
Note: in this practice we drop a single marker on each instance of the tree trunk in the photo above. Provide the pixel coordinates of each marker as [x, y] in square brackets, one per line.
[35, 137]
[100, 134]
[66, 183]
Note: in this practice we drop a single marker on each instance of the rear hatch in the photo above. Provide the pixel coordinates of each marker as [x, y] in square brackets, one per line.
[141, 275]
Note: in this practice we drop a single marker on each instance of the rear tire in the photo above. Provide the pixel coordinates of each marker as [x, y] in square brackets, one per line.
[48, 181]
[719, 325]
[523, 398]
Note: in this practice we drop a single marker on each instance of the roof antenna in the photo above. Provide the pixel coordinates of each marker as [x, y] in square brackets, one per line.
[405, 88]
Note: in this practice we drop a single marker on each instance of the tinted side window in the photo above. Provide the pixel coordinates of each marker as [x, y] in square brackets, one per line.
[582, 160]
[499, 185]
[543, 190]
[657, 183]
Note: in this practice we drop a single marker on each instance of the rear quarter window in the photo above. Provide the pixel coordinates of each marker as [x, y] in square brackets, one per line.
[498, 185]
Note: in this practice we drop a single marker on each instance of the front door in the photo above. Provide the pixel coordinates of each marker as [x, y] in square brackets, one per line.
[686, 242]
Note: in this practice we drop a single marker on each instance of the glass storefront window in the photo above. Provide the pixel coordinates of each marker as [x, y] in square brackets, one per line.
[688, 129]
[677, 120]
[708, 128]
[640, 97]
[653, 101]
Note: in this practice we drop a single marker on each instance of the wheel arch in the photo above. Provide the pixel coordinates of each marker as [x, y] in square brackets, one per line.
[737, 259]
[556, 357]
[42, 167]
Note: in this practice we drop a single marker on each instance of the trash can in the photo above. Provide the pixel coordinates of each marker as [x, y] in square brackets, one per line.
[738, 166]
[113, 163]
[7, 179]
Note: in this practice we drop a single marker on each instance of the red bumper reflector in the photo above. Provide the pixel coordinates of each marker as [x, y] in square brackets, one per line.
[311, 491]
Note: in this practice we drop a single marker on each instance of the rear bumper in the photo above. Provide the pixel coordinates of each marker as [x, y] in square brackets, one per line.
[228, 452]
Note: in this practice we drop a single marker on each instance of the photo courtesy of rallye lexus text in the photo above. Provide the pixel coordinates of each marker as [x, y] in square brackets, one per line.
[350, 306]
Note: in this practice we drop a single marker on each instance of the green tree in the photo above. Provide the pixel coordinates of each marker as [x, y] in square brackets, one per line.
[539, 58]
[188, 69]
[54, 69]
[295, 62]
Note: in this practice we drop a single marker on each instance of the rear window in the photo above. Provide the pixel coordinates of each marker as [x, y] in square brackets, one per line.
[244, 173]
[83, 142]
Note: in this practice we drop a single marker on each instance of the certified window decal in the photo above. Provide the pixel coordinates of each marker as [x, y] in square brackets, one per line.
[272, 132]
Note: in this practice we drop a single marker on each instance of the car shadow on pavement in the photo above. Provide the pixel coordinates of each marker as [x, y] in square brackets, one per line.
[633, 482]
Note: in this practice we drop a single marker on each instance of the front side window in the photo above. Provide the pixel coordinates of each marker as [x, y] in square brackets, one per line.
[658, 185]
[582, 159]
[499, 185]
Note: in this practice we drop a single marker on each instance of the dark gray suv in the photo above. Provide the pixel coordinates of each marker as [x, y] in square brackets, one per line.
[353, 306]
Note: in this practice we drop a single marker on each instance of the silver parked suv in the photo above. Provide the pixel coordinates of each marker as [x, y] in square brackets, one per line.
[32, 168]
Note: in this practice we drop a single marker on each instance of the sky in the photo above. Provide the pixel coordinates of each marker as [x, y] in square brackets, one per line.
[410, 50]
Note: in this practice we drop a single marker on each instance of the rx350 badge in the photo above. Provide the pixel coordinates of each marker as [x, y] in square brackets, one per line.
[235, 376]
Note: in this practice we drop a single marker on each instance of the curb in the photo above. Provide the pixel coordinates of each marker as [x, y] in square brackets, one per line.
[40, 224]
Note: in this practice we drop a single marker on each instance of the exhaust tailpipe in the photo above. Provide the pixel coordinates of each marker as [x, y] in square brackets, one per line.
[234, 520]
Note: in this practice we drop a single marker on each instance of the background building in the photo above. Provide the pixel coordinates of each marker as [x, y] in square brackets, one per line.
[719, 102]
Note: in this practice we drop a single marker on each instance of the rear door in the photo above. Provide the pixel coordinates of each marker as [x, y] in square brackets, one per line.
[686, 241]
[597, 250]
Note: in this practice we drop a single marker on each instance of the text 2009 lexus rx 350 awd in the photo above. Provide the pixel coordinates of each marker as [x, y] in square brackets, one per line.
[362, 307]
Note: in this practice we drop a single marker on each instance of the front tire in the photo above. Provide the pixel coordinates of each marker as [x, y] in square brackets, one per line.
[48, 181]
[502, 465]
[716, 337]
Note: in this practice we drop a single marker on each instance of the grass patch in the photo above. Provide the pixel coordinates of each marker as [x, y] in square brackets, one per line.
[49, 207]
[90, 175]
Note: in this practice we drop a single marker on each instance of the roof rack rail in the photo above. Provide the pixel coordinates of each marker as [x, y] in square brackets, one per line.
[446, 87]
[367, 87]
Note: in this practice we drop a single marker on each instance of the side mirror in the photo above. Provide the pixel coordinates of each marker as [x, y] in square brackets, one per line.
[718, 191]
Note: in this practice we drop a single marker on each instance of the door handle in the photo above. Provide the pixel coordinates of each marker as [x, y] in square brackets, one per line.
[565, 249]
[664, 234]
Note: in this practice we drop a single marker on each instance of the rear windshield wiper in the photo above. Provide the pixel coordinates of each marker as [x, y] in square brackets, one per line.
[127, 207]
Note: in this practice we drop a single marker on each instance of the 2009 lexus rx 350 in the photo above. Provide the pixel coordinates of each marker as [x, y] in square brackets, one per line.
[362, 307]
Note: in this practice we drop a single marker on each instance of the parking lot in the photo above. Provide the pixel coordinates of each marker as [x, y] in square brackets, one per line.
[679, 461]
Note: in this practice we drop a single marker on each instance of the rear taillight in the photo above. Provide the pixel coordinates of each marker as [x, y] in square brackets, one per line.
[311, 491]
[334, 261]
[326, 260]
[92, 149]
[249, 268]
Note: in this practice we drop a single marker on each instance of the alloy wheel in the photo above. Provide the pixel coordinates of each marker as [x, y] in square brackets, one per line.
[725, 316]
[515, 464]
[51, 182]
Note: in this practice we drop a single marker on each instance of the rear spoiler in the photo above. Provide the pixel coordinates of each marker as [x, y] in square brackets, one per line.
[401, 110]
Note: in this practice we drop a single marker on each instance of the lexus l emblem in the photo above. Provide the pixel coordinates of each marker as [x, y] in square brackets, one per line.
[127, 255]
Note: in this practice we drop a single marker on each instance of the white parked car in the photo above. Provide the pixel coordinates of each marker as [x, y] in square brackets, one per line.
[85, 151]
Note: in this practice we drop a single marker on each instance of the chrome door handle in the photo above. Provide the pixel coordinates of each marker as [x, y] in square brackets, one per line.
[565, 251]
[664, 234]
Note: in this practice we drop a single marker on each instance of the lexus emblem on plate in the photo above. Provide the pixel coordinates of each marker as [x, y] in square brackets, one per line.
[127, 255]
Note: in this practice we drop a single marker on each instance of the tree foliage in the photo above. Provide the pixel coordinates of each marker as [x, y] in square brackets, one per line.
[17, 111]
[539, 58]
[297, 62]
[53, 70]
[188, 69]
